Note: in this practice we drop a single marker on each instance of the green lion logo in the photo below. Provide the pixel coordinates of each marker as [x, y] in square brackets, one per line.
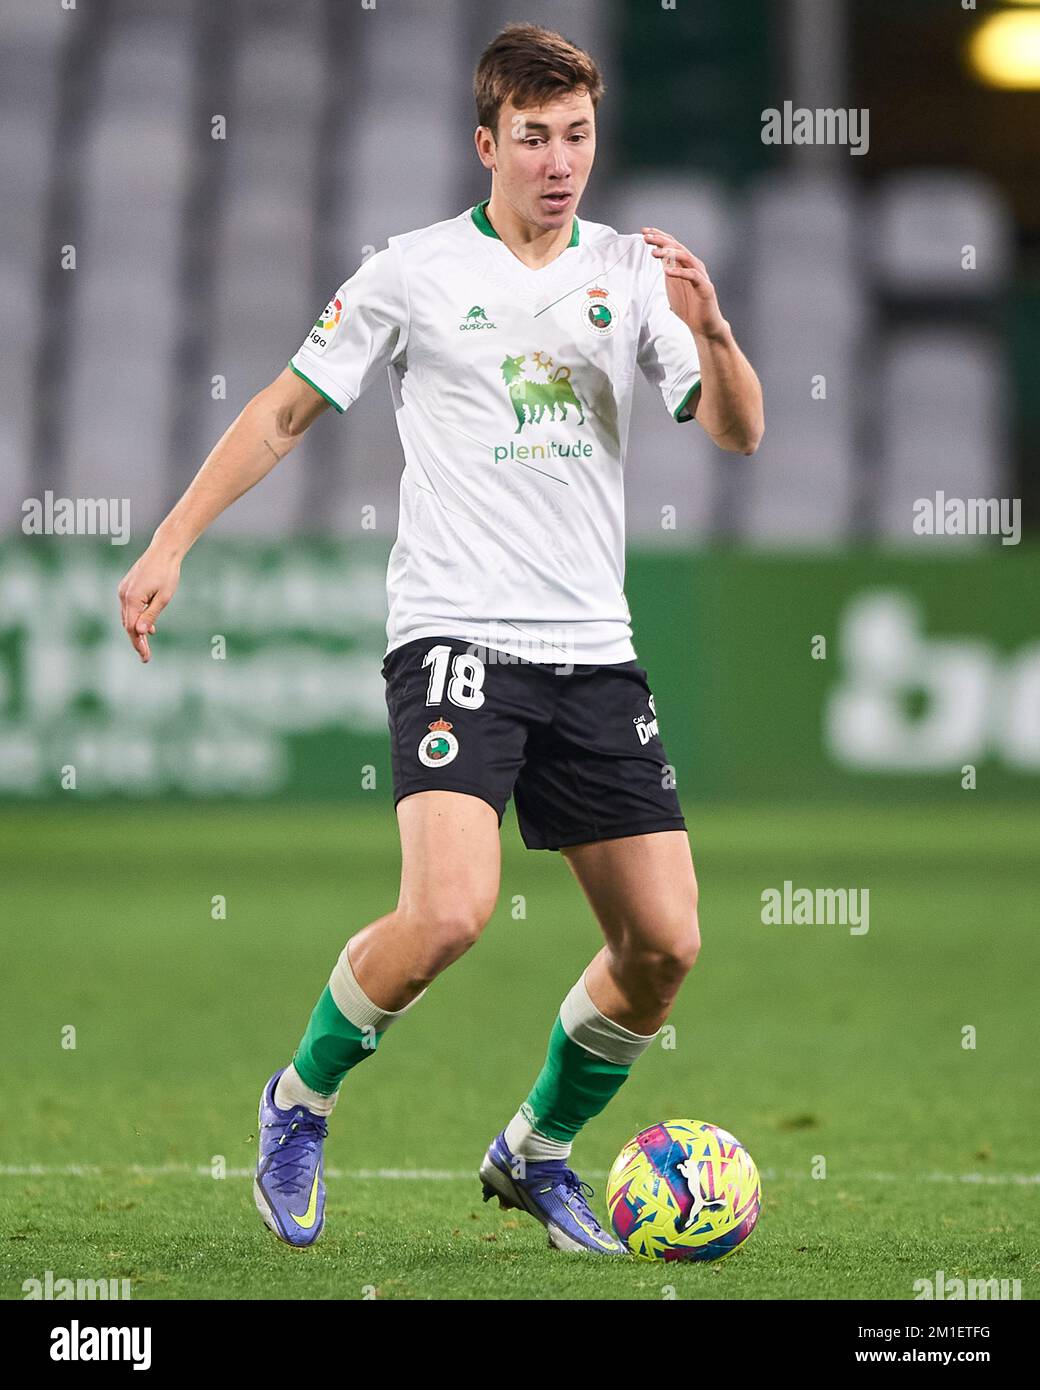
[533, 396]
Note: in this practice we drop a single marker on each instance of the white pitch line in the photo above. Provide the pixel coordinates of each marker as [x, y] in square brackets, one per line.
[202, 1170]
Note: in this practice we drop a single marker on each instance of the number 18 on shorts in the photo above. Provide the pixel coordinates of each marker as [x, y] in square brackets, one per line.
[578, 747]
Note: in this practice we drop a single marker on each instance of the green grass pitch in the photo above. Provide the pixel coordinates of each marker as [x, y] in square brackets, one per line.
[802, 1040]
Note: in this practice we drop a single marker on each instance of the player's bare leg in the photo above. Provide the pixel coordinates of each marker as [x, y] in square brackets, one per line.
[643, 890]
[450, 868]
[450, 865]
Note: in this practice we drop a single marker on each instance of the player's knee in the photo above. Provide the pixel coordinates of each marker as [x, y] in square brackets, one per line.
[672, 962]
[444, 932]
[688, 937]
[686, 931]
[666, 961]
[688, 949]
[690, 932]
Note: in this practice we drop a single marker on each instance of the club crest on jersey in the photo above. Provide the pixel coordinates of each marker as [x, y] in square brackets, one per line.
[475, 319]
[599, 312]
[439, 747]
[530, 396]
[324, 330]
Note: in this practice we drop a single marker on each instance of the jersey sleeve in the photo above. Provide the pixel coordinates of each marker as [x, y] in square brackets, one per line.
[667, 351]
[361, 331]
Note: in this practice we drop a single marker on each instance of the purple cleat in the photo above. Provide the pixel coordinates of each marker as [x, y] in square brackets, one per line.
[289, 1188]
[551, 1192]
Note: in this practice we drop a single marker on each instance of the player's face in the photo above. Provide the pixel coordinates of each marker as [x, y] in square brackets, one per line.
[543, 158]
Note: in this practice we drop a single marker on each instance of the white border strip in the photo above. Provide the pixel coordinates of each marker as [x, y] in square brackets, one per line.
[204, 1170]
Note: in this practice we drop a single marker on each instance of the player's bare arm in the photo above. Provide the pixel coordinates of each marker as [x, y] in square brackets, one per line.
[269, 427]
[729, 403]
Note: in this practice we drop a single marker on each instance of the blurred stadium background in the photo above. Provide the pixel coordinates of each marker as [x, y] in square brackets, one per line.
[903, 758]
[891, 372]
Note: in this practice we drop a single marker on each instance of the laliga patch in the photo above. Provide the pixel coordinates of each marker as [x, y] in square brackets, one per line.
[599, 313]
[439, 747]
[323, 332]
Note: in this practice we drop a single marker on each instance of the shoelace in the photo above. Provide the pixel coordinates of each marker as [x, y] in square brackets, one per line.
[573, 1185]
[293, 1151]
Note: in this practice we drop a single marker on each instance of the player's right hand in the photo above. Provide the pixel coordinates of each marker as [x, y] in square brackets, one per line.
[145, 591]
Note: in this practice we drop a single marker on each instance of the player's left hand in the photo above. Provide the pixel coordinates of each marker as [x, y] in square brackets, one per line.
[690, 291]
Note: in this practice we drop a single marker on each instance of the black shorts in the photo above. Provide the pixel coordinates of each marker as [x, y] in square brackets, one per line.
[577, 746]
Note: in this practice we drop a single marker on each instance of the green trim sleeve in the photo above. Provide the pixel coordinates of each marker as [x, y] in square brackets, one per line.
[335, 404]
[678, 412]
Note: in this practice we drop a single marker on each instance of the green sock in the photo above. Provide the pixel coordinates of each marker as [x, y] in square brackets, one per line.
[572, 1087]
[588, 1060]
[331, 1046]
[344, 1029]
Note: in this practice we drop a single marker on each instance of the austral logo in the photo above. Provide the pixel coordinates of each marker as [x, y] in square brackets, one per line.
[475, 318]
[328, 321]
[530, 397]
[599, 312]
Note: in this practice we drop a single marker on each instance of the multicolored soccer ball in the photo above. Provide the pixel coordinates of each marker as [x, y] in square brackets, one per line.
[683, 1190]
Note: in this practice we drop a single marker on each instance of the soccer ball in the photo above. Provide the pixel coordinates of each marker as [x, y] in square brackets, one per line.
[683, 1190]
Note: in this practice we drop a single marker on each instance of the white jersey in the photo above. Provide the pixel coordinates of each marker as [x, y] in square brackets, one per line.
[512, 389]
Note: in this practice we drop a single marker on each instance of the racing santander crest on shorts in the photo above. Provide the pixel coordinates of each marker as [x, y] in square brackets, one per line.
[439, 746]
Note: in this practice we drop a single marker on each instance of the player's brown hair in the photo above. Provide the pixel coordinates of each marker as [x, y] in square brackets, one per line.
[529, 66]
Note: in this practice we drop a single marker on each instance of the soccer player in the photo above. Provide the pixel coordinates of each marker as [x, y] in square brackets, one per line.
[511, 334]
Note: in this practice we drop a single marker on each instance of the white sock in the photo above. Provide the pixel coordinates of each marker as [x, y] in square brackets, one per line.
[528, 1143]
[291, 1091]
[592, 1030]
[595, 1032]
[355, 1005]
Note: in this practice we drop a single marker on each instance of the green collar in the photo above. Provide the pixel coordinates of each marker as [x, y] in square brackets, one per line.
[480, 219]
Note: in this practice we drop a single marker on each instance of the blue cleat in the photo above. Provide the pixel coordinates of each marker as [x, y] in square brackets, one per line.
[552, 1193]
[289, 1189]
